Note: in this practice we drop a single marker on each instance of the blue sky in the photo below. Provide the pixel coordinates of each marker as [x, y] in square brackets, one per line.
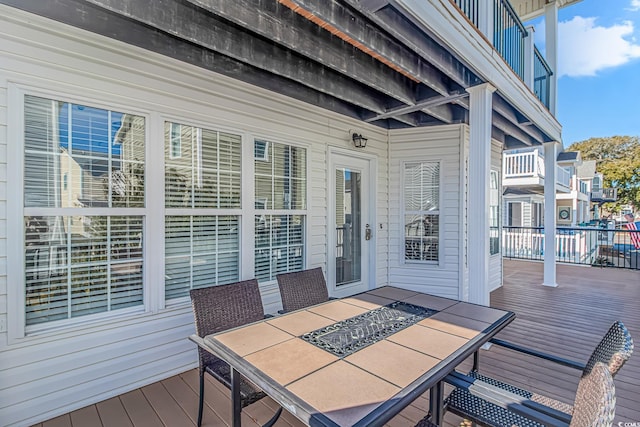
[599, 68]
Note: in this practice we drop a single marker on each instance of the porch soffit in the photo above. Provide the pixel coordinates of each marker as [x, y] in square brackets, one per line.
[327, 53]
[530, 9]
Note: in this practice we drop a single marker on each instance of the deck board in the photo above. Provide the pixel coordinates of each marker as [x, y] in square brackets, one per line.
[567, 321]
[139, 410]
[87, 416]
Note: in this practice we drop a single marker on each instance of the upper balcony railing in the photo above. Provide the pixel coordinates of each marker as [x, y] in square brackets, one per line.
[541, 77]
[509, 39]
[509, 35]
[520, 165]
[530, 164]
[470, 9]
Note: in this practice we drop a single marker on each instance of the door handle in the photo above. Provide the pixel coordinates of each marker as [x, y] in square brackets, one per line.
[367, 232]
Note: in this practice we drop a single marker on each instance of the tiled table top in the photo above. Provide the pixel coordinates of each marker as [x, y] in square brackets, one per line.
[310, 381]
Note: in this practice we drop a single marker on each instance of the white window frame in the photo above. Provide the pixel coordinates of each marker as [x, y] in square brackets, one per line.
[402, 244]
[240, 212]
[265, 154]
[173, 141]
[251, 211]
[509, 213]
[498, 218]
[153, 212]
[17, 331]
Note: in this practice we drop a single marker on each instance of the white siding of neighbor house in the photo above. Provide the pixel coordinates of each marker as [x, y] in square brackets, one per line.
[443, 144]
[527, 208]
[56, 371]
[495, 261]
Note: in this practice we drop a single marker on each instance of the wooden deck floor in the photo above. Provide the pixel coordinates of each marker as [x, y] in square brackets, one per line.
[568, 321]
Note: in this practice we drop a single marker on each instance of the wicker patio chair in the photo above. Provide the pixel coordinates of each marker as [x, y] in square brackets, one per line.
[302, 289]
[218, 308]
[594, 404]
[613, 351]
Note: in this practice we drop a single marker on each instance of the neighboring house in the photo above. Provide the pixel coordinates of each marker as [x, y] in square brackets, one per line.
[146, 152]
[523, 184]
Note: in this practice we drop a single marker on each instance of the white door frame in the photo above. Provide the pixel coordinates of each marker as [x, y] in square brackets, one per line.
[339, 157]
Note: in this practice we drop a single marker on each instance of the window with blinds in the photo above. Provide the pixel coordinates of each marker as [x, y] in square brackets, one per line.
[421, 189]
[281, 208]
[202, 186]
[83, 177]
[494, 213]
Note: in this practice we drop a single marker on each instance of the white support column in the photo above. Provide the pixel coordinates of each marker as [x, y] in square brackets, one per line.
[550, 155]
[480, 111]
[529, 46]
[485, 19]
[551, 42]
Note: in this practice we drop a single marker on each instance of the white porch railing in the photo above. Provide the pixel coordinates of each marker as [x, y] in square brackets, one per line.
[519, 165]
[572, 245]
[580, 245]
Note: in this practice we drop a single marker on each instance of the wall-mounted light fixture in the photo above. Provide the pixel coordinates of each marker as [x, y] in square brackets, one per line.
[358, 140]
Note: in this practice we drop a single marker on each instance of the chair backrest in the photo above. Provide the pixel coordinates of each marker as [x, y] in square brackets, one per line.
[614, 350]
[301, 289]
[595, 401]
[218, 308]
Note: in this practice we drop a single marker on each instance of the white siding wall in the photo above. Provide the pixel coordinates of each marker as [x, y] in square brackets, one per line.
[442, 143]
[51, 373]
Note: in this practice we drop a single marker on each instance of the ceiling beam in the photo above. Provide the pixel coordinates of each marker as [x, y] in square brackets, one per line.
[399, 26]
[510, 129]
[279, 23]
[187, 22]
[501, 107]
[88, 17]
[426, 106]
[358, 30]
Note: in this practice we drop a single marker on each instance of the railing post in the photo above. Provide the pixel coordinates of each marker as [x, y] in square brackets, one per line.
[551, 38]
[529, 58]
[485, 18]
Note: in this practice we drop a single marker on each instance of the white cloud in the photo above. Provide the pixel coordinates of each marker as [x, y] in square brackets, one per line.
[635, 5]
[585, 49]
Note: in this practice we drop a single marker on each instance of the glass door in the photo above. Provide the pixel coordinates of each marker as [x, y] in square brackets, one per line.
[348, 225]
[351, 225]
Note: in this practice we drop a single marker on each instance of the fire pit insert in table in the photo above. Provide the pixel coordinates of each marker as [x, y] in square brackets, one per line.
[348, 336]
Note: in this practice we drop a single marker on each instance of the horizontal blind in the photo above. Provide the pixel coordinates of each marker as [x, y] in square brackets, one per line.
[70, 274]
[422, 210]
[202, 248]
[279, 245]
[80, 157]
[200, 251]
[206, 174]
[280, 176]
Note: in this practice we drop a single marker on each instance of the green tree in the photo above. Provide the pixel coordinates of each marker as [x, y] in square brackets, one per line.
[618, 159]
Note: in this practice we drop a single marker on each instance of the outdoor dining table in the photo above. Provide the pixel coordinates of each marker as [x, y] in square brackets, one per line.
[357, 361]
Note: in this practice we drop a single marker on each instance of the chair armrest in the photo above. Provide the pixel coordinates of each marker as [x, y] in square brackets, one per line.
[531, 352]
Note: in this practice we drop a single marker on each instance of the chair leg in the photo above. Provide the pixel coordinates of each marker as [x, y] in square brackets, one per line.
[201, 404]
